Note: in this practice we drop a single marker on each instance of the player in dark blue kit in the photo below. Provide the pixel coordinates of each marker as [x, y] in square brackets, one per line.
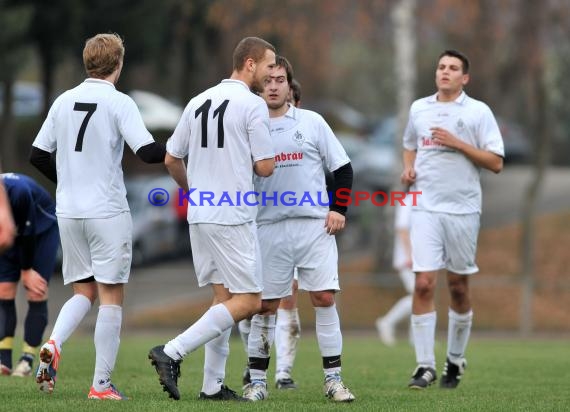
[31, 259]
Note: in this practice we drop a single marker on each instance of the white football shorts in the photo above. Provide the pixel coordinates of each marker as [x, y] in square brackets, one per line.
[99, 247]
[228, 255]
[301, 243]
[444, 241]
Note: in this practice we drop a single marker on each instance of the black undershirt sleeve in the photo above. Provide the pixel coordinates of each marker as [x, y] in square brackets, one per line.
[44, 162]
[342, 180]
[152, 153]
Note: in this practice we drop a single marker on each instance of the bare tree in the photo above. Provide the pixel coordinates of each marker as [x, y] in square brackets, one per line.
[405, 73]
[531, 57]
[13, 20]
[405, 68]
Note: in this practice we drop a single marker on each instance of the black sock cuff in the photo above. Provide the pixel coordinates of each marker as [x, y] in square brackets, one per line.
[8, 303]
[261, 364]
[331, 362]
[37, 305]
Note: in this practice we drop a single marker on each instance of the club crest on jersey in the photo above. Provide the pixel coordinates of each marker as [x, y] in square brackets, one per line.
[299, 138]
[460, 126]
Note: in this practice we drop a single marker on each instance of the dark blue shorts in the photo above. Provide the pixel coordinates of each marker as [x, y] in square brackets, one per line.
[47, 244]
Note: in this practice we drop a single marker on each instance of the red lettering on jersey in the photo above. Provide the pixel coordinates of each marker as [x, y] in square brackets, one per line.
[283, 157]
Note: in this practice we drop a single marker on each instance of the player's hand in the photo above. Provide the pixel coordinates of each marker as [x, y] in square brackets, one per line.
[7, 230]
[334, 222]
[445, 138]
[34, 283]
[408, 176]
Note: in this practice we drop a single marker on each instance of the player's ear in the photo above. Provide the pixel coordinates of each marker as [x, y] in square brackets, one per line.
[250, 65]
[465, 79]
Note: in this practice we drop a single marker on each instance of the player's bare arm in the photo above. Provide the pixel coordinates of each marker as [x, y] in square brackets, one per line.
[177, 170]
[409, 174]
[481, 158]
[264, 168]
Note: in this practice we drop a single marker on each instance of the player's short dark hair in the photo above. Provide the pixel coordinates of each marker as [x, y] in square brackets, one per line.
[281, 61]
[296, 89]
[459, 55]
[102, 54]
[250, 47]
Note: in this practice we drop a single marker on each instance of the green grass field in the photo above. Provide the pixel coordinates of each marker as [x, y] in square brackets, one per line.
[502, 375]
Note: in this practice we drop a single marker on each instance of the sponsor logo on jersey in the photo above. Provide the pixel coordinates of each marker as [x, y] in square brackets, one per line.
[428, 142]
[286, 156]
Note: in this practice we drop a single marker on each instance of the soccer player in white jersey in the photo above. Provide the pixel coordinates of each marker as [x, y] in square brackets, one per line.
[449, 138]
[288, 323]
[300, 236]
[402, 261]
[224, 131]
[88, 126]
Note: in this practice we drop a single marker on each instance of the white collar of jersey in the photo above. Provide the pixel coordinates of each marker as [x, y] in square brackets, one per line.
[93, 80]
[292, 112]
[236, 82]
[460, 99]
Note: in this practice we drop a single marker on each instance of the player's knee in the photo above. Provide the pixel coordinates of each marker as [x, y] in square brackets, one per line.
[322, 299]
[253, 306]
[269, 307]
[458, 291]
[424, 287]
[89, 290]
[8, 290]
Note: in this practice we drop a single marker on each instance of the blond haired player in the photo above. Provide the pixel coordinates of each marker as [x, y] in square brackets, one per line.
[88, 126]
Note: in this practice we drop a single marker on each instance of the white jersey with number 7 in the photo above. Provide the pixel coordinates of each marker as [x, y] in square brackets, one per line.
[88, 126]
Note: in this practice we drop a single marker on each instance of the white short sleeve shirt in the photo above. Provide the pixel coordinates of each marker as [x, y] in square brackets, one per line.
[223, 131]
[303, 143]
[88, 126]
[448, 180]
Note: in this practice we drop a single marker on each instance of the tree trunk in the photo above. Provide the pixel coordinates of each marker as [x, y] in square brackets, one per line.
[48, 69]
[405, 74]
[7, 130]
[532, 59]
[405, 67]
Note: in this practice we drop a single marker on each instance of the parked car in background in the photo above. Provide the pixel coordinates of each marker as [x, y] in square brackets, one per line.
[339, 115]
[518, 148]
[374, 165]
[27, 99]
[374, 168]
[157, 230]
[157, 112]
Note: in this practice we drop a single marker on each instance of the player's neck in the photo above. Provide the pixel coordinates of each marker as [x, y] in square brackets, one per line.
[242, 76]
[273, 113]
[446, 96]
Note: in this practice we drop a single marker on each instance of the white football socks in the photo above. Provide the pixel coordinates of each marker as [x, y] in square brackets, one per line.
[69, 318]
[423, 331]
[107, 340]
